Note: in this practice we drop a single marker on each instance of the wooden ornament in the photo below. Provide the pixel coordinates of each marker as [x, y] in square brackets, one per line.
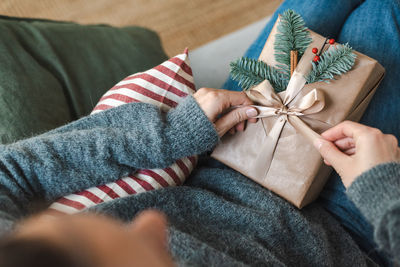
[293, 61]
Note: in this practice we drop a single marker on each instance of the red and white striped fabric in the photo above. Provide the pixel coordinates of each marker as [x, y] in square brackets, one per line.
[164, 86]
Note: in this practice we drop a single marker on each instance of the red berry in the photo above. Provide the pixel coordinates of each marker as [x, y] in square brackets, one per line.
[315, 50]
[316, 58]
[331, 41]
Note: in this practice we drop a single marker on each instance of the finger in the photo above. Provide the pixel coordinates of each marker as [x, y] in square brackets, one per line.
[237, 98]
[234, 117]
[152, 224]
[252, 120]
[350, 151]
[240, 126]
[149, 230]
[345, 143]
[331, 153]
[343, 130]
[327, 162]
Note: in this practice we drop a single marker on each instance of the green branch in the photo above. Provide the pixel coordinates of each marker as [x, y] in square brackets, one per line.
[292, 35]
[336, 61]
[249, 72]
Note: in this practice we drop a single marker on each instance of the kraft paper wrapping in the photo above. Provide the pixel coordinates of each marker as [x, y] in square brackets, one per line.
[277, 151]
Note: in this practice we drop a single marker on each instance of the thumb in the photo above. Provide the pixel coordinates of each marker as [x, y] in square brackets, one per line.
[152, 225]
[232, 118]
[331, 153]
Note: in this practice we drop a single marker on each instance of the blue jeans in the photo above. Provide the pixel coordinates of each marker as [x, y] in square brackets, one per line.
[371, 27]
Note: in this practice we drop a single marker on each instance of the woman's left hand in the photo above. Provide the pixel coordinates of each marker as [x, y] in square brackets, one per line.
[352, 148]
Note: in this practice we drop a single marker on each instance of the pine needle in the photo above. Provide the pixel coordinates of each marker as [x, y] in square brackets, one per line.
[336, 61]
[249, 72]
[292, 35]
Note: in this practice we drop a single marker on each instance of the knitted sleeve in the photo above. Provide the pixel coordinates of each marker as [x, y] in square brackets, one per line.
[377, 194]
[98, 149]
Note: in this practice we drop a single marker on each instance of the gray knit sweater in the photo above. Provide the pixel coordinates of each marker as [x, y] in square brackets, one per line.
[218, 218]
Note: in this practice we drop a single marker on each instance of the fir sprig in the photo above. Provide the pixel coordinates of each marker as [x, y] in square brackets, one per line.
[250, 72]
[292, 35]
[336, 61]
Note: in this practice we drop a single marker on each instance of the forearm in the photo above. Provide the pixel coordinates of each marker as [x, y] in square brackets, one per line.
[377, 194]
[118, 141]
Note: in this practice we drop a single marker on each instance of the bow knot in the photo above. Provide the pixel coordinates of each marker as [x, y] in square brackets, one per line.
[285, 111]
[281, 111]
[271, 104]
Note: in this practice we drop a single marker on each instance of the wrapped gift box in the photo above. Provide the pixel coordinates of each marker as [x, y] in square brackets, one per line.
[277, 151]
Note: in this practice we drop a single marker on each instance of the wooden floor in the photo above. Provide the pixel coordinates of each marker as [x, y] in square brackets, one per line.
[180, 23]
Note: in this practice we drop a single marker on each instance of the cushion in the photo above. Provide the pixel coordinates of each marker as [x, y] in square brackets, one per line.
[163, 86]
[53, 72]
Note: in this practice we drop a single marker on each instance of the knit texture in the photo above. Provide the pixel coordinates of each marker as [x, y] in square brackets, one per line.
[377, 194]
[163, 86]
[218, 218]
[98, 149]
[221, 218]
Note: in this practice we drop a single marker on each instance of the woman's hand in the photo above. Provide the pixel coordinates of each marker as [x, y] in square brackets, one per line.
[352, 148]
[215, 102]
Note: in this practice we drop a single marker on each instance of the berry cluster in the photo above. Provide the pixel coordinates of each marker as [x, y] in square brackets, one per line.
[315, 50]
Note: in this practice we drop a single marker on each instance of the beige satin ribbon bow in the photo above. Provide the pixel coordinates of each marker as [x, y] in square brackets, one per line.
[270, 104]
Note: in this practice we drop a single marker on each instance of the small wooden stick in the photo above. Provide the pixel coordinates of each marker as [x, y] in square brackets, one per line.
[293, 61]
[322, 48]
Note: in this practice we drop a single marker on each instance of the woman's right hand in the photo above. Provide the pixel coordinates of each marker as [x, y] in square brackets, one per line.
[352, 148]
[215, 102]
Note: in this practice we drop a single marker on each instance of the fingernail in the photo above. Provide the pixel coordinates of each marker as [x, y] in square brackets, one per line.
[251, 112]
[318, 143]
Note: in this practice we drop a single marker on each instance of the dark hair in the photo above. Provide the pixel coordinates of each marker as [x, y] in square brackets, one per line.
[20, 252]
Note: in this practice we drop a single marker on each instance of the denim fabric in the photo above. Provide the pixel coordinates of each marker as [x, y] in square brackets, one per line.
[370, 27]
[322, 16]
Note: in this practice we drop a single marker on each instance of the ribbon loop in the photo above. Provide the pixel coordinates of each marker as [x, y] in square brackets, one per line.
[270, 104]
[264, 94]
[311, 103]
